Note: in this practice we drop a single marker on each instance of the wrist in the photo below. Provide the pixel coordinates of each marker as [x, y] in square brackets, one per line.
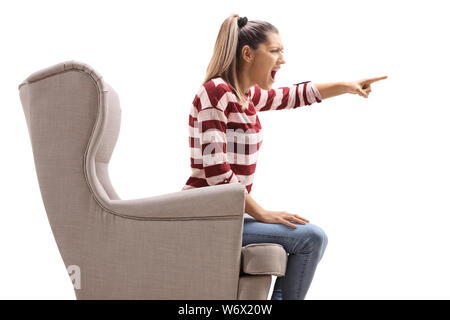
[345, 86]
[257, 214]
[253, 208]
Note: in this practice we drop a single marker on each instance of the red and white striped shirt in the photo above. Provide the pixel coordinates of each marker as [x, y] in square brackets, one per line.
[224, 136]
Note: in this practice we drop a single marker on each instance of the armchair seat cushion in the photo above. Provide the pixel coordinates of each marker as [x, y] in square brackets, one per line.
[264, 259]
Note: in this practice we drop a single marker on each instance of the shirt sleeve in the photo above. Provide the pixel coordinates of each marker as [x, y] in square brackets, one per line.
[297, 95]
[212, 126]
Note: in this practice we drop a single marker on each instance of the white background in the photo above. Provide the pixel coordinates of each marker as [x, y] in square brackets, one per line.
[373, 173]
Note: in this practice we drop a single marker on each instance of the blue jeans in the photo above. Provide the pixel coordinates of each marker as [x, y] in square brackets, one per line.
[305, 246]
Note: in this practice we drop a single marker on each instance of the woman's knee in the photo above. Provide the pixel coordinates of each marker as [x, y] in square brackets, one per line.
[313, 239]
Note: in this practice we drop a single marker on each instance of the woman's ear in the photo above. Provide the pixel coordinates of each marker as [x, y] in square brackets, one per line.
[247, 53]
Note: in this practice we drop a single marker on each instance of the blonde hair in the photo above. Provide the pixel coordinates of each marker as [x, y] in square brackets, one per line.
[227, 50]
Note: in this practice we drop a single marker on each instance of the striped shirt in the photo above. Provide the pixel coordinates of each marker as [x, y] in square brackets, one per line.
[224, 136]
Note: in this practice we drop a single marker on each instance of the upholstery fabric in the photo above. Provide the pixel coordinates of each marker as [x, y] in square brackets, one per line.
[264, 259]
[254, 287]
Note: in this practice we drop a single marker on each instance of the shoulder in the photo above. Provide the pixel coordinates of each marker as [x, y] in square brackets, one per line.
[217, 86]
[213, 93]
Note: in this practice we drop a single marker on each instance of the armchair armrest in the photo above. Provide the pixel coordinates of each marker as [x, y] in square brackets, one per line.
[219, 201]
[182, 245]
[264, 259]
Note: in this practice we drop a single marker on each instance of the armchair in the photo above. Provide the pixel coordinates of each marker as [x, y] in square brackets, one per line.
[182, 245]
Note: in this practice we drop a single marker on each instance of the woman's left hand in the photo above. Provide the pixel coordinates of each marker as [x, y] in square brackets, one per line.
[362, 87]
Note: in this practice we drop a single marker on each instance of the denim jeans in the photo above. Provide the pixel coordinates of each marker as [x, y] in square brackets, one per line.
[305, 246]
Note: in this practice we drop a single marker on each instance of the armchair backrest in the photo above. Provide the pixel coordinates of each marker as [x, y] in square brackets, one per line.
[73, 120]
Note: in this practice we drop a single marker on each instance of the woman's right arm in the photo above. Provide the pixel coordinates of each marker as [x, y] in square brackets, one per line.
[256, 211]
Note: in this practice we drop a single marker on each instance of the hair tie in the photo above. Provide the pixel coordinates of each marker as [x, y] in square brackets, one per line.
[242, 22]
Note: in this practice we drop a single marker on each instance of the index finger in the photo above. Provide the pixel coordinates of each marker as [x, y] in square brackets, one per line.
[376, 79]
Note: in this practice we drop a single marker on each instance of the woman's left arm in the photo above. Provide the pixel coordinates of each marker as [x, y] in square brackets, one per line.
[361, 87]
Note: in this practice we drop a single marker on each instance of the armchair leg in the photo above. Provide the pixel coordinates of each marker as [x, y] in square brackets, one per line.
[252, 287]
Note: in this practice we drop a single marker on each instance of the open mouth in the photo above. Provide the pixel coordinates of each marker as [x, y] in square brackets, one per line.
[272, 75]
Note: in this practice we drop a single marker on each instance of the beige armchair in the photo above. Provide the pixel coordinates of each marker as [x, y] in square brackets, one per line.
[182, 245]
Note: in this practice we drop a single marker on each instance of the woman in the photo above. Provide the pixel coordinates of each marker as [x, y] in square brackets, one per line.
[225, 136]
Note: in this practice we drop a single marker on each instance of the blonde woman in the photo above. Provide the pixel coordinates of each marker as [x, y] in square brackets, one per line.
[225, 136]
